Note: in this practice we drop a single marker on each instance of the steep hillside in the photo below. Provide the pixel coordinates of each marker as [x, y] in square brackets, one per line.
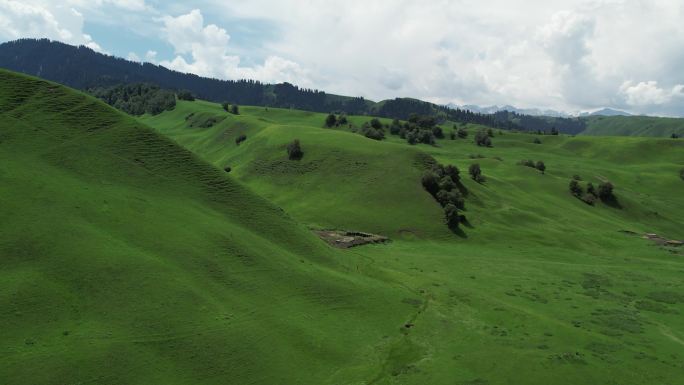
[126, 259]
[634, 126]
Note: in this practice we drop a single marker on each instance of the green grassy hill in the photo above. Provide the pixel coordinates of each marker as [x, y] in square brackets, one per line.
[126, 259]
[633, 126]
[541, 288]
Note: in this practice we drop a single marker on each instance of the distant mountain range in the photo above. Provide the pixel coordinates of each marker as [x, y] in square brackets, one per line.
[538, 111]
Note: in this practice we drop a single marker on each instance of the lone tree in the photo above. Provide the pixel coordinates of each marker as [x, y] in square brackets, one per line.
[605, 192]
[575, 188]
[482, 139]
[330, 120]
[541, 166]
[476, 173]
[294, 150]
[453, 219]
[234, 109]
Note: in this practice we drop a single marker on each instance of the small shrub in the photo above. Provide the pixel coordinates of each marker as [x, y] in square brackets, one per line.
[490, 133]
[482, 139]
[376, 124]
[395, 127]
[294, 150]
[476, 172]
[452, 135]
[576, 177]
[430, 181]
[330, 120]
[240, 139]
[591, 189]
[476, 156]
[575, 188]
[537, 141]
[541, 166]
[451, 215]
[453, 172]
[527, 163]
[437, 132]
[225, 106]
[235, 109]
[681, 173]
[605, 192]
[227, 169]
[462, 133]
[342, 120]
[589, 199]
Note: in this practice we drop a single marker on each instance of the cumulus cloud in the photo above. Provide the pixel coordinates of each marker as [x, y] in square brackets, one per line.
[648, 93]
[20, 19]
[208, 46]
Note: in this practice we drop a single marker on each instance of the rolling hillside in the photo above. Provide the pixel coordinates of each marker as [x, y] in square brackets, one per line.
[634, 126]
[539, 286]
[126, 259]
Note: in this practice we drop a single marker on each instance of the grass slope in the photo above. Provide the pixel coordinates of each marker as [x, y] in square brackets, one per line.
[126, 259]
[541, 289]
[634, 126]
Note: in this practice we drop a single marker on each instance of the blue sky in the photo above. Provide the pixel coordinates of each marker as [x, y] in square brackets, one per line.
[572, 55]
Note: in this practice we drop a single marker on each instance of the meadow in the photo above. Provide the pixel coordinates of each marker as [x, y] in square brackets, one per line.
[130, 256]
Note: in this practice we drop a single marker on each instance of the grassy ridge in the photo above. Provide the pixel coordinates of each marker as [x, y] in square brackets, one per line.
[633, 126]
[541, 289]
[126, 259]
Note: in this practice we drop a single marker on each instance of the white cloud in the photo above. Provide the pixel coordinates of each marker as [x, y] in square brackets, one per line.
[21, 19]
[151, 56]
[648, 93]
[132, 56]
[207, 45]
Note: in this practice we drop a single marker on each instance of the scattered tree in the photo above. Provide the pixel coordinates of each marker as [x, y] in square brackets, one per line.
[225, 106]
[294, 150]
[575, 188]
[462, 133]
[451, 215]
[681, 173]
[235, 109]
[674, 136]
[541, 166]
[490, 133]
[589, 199]
[482, 139]
[430, 181]
[476, 173]
[330, 121]
[536, 141]
[376, 124]
[605, 191]
[342, 120]
[591, 189]
[437, 132]
[446, 183]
